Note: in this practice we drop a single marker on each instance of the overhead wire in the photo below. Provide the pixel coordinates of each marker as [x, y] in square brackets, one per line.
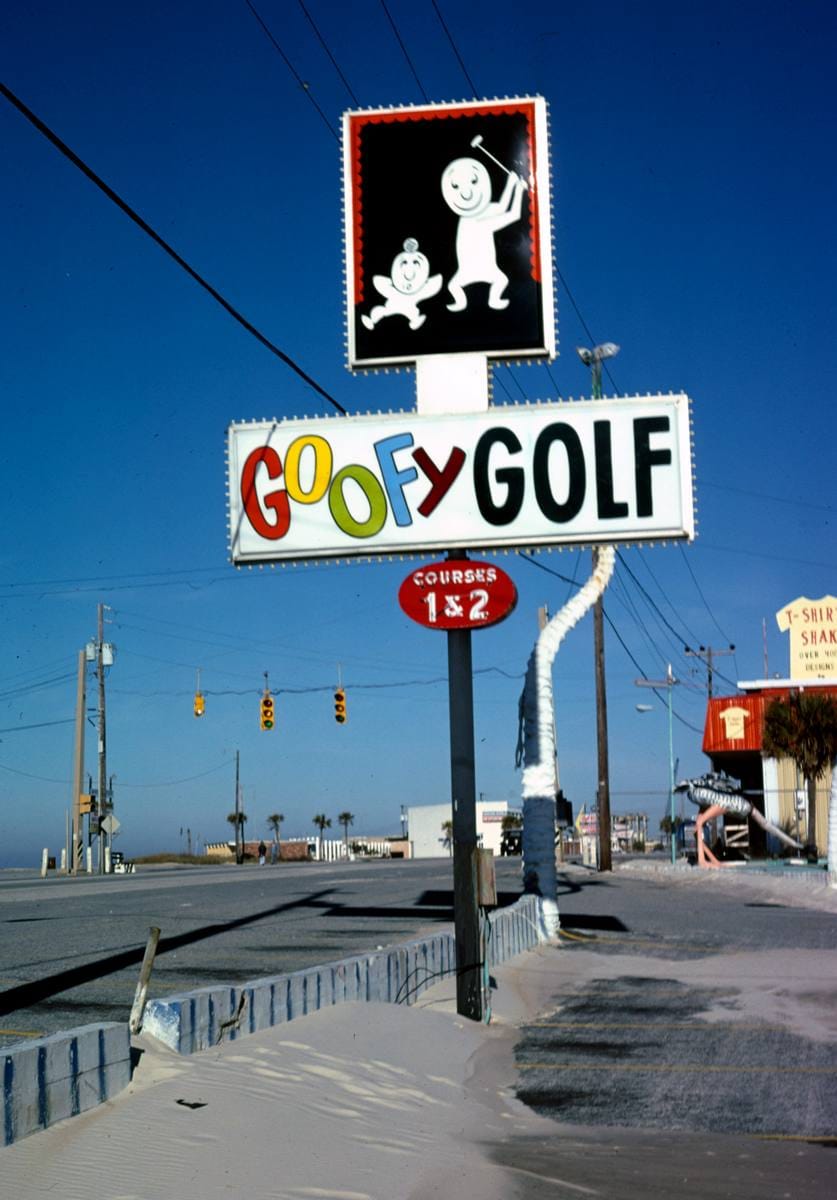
[404, 51]
[528, 558]
[700, 593]
[302, 83]
[327, 49]
[147, 229]
[474, 90]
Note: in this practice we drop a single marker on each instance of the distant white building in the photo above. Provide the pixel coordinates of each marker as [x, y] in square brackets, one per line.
[426, 833]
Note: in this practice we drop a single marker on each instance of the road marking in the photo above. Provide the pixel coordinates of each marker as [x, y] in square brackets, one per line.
[22, 1033]
[710, 1069]
[826, 1139]
[706, 1027]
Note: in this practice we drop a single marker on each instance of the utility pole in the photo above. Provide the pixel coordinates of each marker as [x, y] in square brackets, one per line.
[593, 359]
[705, 654]
[668, 683]
[103, 775]
[239, 850]
[76, 844]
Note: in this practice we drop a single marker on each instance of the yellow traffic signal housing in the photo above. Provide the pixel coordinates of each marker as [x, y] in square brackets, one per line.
[200, 704]
[340, 706]
[88, 802]
[267, 713]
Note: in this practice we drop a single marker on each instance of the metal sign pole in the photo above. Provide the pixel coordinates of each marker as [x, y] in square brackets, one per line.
[464, 803]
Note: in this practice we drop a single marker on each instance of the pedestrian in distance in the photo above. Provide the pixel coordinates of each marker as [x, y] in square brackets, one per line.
[262, 853]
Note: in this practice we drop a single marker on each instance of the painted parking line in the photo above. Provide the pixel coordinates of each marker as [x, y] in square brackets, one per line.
[701, 1026]
[22, 1033]
[703, 1068]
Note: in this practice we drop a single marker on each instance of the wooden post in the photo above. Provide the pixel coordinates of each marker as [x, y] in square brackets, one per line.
[138, 1007]
[78, 768]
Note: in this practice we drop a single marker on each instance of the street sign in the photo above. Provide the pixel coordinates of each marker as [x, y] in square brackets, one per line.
[457, 594]
[110, 824]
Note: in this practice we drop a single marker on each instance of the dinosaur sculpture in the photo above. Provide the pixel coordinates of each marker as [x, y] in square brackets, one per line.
[716, 795]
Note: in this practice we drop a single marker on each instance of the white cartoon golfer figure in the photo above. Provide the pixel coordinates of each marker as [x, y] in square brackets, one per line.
[409, 283]
[466, 188]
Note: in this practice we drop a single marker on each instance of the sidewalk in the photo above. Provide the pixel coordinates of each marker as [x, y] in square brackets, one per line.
[368, 1101]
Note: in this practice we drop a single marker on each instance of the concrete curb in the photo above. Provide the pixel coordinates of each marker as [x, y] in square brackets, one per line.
[196, 1020]
[60, 1076]
[63, 1075]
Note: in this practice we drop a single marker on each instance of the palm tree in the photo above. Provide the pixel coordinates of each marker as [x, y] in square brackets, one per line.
[322, 822]
[447, 839]
[346, 819]
[237, 819]
[804, 729]
[274, 822]
[511, 821]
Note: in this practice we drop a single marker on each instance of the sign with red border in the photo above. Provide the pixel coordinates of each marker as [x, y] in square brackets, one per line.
[457, 594]
[448, 236]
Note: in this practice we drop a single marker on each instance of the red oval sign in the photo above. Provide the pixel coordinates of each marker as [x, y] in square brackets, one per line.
[457, 594]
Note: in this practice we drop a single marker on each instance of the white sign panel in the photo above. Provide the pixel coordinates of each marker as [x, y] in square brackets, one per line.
[448, 231]
[616, 470]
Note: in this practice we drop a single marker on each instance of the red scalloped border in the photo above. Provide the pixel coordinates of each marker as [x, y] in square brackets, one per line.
[390, 117]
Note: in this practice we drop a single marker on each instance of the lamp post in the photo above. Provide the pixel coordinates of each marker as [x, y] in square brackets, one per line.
[668, 683]
[593, 359]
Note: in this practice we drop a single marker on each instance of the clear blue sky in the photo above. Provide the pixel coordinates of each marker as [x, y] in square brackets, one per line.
[694, 201]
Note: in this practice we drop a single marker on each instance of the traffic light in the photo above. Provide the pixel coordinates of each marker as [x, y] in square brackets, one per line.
[267, 713]
[340, 706]
[87, 802]
[200, 704]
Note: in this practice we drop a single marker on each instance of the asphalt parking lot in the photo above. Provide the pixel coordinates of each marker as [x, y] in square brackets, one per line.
[688, 1006]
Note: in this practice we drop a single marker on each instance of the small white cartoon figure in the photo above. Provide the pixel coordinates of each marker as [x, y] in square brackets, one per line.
[466, 188]
[409, 284]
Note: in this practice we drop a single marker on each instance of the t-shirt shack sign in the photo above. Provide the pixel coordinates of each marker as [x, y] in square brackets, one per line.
[813, 636]
[535, 475]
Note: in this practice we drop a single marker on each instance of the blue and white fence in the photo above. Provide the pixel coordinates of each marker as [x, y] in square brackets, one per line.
[47, 1080]
[63, 1075]
[398, 975]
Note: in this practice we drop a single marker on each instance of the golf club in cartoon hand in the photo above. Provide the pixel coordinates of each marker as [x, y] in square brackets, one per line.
[409, 284]
[466, 188]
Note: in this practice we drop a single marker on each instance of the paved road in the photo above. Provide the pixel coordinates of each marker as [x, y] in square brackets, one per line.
[70, 948]
[692, 1005]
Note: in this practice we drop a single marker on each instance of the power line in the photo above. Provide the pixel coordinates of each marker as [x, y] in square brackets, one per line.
[302, 83]
[453, 46]
[40, 725]
[126, 208]
[409, 61]
[325, 47]
[728, 640]
[618, 636]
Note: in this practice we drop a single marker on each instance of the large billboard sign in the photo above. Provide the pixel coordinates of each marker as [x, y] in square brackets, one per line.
[582, 473]
[448, 232]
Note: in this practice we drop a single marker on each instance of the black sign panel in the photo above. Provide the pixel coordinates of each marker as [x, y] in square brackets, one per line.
[447, 218]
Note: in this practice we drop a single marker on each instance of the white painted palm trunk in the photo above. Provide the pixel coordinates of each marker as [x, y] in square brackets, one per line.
[540, 782]
[832, 828]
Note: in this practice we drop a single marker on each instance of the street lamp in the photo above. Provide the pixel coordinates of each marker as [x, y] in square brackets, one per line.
[668, 683]
[593, 359]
